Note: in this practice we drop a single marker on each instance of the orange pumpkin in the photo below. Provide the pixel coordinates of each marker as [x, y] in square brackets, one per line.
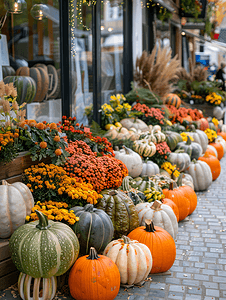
[219, 148]
[173, 206]
[182, 202]
[173, 99]
[223, 134]
[191, 195]
[188, 118]
[214, 164]
[210, 152]
[94, 277]
[203, 124]
[160, 243]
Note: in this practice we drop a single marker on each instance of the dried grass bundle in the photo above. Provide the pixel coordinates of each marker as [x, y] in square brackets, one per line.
[195, 74]
[157, 70]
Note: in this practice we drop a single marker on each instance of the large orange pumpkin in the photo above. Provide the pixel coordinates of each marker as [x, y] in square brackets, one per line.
[219, 148]
[160, 243]
[173, 206]
[173, 99]
[94, 277]
[182, 202]
[223, 134]
[191, 195]
[214, 164]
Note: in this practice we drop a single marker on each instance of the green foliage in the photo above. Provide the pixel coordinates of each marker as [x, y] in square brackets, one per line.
[96, 129]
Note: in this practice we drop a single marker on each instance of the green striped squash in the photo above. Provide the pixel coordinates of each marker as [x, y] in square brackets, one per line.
[8, 71]
[41, 79]
[94, 228]
[173, 99]
[44, 248]
[26, 87]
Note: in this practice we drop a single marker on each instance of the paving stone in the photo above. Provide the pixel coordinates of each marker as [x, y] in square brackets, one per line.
[214, 293]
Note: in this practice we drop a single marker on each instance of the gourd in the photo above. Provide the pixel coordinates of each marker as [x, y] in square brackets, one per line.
[133, 259]
[136, 196]
[209, 147]
[213, 163]
[144, 148]
[149, 168]
[8, 71]
[139, 183]
[221, 140]
[26, 88]
[131, 159]
[219, 148]
[44, 248]
[28, 284]
[134, 123]
[161, 215]
[94, 228]
[203, 124]
[201, 174]
[41, 79]
[172, 139]
[177, 196]
[173, 99]
[180, 159]
[160, 136]
[94, 277]
[160, 243]
[16, 203]
[120, 209]
[218, 112]
[201, 138]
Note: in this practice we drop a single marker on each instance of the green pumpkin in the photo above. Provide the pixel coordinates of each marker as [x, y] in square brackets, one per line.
[139, 183]
[44, 248]
[121, 210]
[8, 71]
[186, 146]
[172, 139]
[94, 228]
[193, 149]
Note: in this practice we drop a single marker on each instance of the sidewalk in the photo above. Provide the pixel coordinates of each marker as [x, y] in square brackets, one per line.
[199, 271]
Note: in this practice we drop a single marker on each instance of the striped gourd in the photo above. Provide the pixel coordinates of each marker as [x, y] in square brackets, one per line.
[8, 71]
[160, 137]
[26, 87]
[173, 99]
[144, 148]
[30, 288]
[44, 248]
[41, 79]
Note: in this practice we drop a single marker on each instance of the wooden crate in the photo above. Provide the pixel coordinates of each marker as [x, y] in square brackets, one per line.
[12, 172]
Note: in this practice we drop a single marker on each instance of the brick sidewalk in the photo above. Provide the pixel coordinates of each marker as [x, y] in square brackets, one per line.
[199, 271]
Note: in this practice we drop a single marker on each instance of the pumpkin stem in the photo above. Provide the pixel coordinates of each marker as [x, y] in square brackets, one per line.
[149, 226]
[156, 205]
[93, 254]
[172, 185]
[112, 193]
[43, 221]
[127, 150]
[88, 207]
[4, 182]
[188, 140]
[126, 239]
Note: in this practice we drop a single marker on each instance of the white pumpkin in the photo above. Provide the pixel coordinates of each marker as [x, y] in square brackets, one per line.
[220, 140]
[180, 159]
[223, 127]
[133, 259]
[161, 215]
[213, 148]
[149, 169]
[201, 138]
[134, 123]
[187, 180]
[218, 112]
[15, 204]
[201, 174]
[131, 159]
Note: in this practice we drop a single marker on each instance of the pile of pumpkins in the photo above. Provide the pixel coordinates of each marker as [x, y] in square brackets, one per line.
[41, 82]
[117, 242]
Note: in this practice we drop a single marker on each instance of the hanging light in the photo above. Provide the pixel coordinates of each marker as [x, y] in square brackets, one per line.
[39, 11]
[15, 6]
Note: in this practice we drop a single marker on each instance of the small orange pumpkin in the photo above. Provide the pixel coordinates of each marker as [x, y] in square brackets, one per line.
[210, 152]
[94, 277]
[173, 206]
[203, 124]
[223, 134]
[214, 164]
[173, 99]
[182, 202]
[219, 148]
[160, 243]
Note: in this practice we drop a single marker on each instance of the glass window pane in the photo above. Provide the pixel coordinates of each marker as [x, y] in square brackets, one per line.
[111, 48]
[33, 40]
[81, 61]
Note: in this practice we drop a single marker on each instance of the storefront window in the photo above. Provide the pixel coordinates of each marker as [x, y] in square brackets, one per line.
[31, 33]
[111, 49]
[81, 61]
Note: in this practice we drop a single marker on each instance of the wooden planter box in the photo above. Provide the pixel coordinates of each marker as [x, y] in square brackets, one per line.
[12, 172]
